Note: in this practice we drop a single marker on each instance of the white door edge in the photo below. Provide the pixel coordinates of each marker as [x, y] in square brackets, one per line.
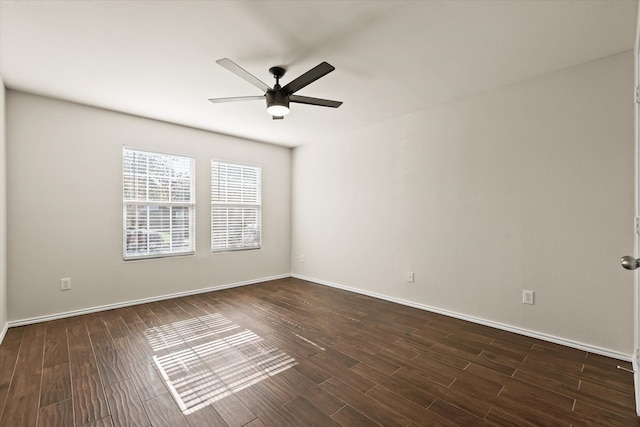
[636, 339]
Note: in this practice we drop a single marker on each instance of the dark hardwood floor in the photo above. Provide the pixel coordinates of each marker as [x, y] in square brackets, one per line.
[293, 353]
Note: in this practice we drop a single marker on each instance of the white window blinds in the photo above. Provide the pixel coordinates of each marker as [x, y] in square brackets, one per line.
[159, 204]
[235, 206]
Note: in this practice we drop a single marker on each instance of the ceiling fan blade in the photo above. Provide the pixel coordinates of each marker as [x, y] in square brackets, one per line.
[314, 101]
[309, 77]
[243, 74]
[237, 98]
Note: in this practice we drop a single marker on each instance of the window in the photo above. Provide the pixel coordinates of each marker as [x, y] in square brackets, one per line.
[235, 206]
[159, 204]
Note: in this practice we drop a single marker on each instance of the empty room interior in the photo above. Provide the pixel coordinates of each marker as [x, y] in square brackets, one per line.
[319, 213]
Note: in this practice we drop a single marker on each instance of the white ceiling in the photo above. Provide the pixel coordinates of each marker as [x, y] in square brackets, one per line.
[157, 58]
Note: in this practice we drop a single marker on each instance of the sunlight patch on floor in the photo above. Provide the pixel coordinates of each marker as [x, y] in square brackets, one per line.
[205, 359]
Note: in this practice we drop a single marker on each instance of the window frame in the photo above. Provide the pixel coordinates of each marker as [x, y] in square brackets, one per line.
[190, 205]
[257, 206]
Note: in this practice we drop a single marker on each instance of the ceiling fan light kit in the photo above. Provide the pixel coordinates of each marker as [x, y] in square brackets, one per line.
[277, 110]
[278, 98]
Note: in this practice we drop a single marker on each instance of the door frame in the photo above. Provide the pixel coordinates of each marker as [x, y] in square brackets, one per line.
[636, 316]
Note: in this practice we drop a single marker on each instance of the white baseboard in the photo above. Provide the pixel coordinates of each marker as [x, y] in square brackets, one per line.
[501, 326]
[3, 332]
[96, 309]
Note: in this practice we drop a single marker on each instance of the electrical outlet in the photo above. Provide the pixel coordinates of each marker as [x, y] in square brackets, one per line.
[410, 277]
[301, 258]
[65, 284]
[527, 297]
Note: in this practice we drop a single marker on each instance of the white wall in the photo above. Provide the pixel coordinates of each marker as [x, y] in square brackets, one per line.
[527, 187]
[3, 215]
[65, 209]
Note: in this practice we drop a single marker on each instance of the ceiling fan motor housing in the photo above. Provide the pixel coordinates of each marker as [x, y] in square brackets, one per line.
[277, 97]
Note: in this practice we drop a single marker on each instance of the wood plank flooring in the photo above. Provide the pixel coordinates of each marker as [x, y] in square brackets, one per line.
[293, 353]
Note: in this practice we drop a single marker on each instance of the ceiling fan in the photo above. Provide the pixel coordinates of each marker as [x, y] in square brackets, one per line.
[278, 98]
